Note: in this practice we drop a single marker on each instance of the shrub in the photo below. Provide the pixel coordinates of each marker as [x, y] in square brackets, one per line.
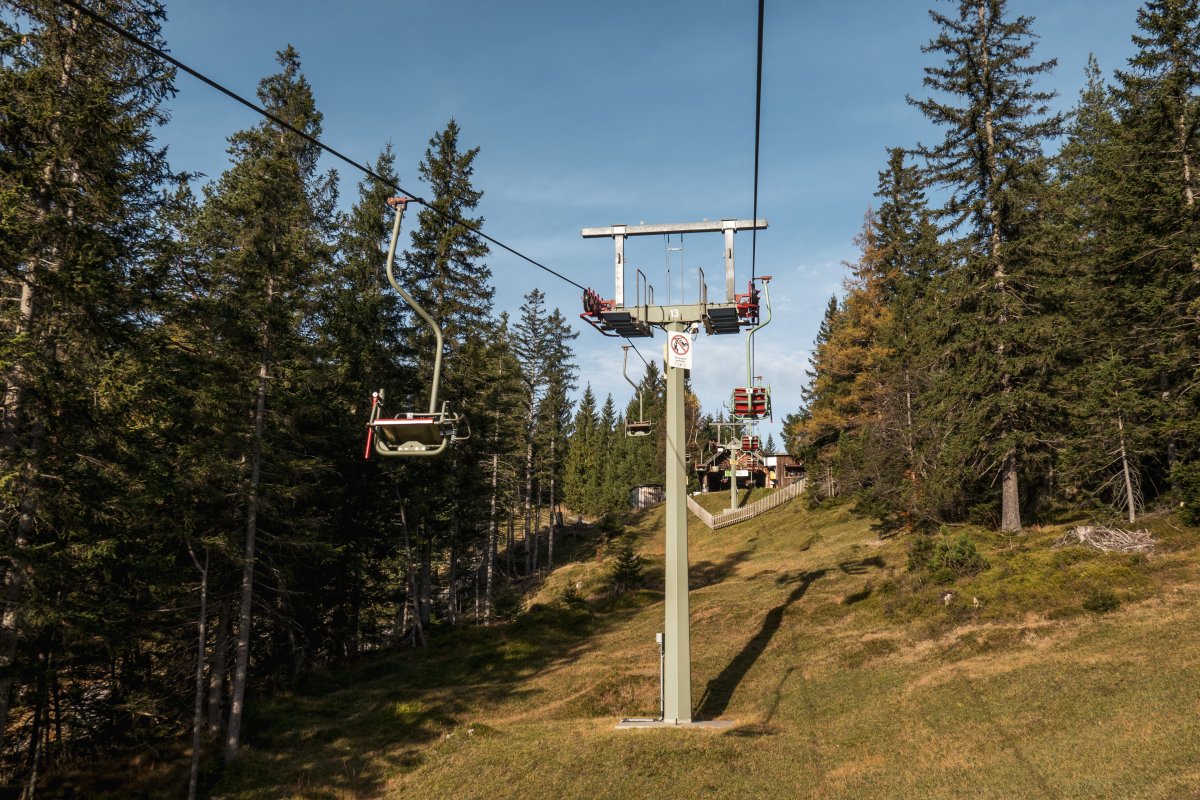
[627, 568]
[954, 559]
[919, 553]
[573, 598]
[506, 603]
[1101, 601]
[1187, 478]
[611, 526]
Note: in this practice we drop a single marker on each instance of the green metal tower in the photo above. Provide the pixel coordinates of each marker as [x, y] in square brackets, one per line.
[680, 322]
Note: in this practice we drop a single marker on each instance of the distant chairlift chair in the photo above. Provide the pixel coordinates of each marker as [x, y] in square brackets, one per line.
[752, 402]
[413, 433]
[643, 426]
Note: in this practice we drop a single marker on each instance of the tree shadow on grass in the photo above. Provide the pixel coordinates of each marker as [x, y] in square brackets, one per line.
[350, 731]
[700, 573]
[720, 689]
[861, 566]
[707, 573]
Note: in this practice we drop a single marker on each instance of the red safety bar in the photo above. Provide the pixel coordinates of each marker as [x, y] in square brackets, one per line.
[594, 307]
[747, 305]
[370, 427]
[751, 402]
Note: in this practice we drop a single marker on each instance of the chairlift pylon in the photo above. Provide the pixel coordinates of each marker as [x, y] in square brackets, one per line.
[643, 426]
[413, 433]
[752, 402]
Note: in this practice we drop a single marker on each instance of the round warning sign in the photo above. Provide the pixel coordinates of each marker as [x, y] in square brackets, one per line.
[679, 351]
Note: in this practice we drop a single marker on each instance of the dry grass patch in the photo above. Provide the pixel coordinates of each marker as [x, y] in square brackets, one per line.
[849, 676]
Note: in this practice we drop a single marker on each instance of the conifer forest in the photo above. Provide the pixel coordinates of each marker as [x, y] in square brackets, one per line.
[189, 522]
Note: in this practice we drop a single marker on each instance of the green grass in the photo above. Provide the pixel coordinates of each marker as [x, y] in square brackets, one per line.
[846, 673]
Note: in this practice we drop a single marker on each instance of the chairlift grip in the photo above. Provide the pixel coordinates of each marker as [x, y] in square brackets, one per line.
[766, 280]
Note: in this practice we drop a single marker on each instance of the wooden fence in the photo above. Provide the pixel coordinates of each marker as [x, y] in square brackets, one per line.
[727, 518]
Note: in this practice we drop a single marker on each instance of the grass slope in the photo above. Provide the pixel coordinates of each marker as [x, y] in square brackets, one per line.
[848, 676]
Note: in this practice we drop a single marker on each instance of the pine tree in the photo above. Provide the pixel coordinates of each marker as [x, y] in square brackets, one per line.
[585, 460]
[361, 342]
[504, 396]
[842, 397]
[1108, 379]
[627, 567]
[613, 445]
[903, 437]
[1155, 235]
[530, 345]
[264, 231]
[79, 222]
[646, 456]
[991, 163]
[445, 268]
[554, 415]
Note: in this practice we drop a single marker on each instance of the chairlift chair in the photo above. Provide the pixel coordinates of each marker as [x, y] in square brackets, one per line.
[643, 426]
[413, 433]
[752, 402]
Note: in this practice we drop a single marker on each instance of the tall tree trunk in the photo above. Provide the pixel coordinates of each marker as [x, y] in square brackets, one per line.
[452, 578]
[425, 596]
[35, 734]
[216, 675]
[410, 570]
[201, 642]
[512, 542]
[1164, 383]
[553, 516]
[528, 503]
[14, 407]
[242, 659]
[537, 528]
[489, 559]
[1010, 497]
[1130, 496]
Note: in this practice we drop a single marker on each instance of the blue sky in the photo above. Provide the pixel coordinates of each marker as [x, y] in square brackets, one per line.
[591, 114]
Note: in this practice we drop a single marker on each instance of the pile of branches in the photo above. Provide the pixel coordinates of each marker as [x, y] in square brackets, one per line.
[1109, 540]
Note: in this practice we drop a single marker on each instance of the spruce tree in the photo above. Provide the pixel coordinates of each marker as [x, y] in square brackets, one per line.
[530, 345]
[263, 233]
[1108, 380]
[79, 223]
[1155, 235]
[554, 415]
[585, 460]
[904, 436]
[991, 163]
[361, 342]
[446, 269]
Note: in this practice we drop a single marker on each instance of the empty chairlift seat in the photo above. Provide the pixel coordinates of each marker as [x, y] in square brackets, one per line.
[638, 428]
[750, 403]
[413, 433]
[410, 433]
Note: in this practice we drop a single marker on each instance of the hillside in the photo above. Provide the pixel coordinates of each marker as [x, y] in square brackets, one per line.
[848, 678]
